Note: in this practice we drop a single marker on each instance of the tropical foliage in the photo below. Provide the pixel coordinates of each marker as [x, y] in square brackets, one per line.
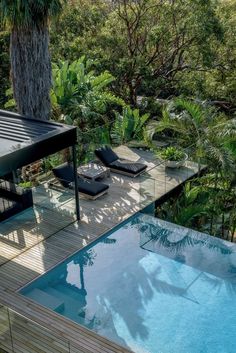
[207, 203]
[204, 207]
[201, 126]
[172, 48]
[172, 154]
[129, 125]
[81, 97]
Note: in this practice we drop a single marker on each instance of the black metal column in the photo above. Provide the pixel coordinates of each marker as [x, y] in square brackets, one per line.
[76, 182]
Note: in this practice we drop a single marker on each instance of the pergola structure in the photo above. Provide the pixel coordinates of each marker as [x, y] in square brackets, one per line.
[26, 140]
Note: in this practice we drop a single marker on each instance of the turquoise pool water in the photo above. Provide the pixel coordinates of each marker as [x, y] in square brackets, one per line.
[151, 286]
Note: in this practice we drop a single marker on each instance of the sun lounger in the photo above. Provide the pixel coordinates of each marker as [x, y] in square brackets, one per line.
[90, 189]
[118, 165]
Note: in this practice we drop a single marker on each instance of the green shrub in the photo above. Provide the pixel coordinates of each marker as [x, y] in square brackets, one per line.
[172, 154]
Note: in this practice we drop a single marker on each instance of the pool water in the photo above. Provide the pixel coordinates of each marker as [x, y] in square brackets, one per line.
[151, 286]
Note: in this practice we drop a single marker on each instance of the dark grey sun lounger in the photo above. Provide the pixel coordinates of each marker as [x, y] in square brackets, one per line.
[90, 189]
[118, 165]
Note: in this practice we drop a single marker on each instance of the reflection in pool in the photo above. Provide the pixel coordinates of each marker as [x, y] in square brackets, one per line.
[151, 286]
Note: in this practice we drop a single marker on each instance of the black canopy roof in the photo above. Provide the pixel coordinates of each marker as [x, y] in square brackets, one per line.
[24, 140]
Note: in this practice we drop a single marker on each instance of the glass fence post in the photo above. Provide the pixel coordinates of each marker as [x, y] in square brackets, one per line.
[32, 335]
[10, 330]
[6, 342]
[165, 176]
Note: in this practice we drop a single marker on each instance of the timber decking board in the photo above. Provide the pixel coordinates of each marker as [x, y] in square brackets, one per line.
[49, 235]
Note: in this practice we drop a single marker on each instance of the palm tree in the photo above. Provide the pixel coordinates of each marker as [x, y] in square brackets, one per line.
[204, 128]
[29, 50]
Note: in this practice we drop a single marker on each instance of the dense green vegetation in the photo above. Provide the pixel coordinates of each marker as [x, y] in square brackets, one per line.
[152, 47]
[207, 203]
[156, 48]
[78, 92]
[147, 70]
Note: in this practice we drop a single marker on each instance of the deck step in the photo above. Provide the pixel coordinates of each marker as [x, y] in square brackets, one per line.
[47, 300]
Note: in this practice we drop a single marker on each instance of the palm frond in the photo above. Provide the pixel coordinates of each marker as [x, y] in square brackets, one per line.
[129, 125]
[217, 155]
[188, 214]
[102, 81]
[80, 93]
[226, 129]
[192, 109]
[25, 13]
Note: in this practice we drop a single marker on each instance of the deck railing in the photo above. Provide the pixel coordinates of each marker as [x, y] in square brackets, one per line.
[112, 134]
[20, 334]
[109, 134]
[154, 184]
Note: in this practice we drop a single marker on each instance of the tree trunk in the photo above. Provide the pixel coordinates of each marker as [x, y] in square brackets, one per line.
[31, 71]
[132, 94]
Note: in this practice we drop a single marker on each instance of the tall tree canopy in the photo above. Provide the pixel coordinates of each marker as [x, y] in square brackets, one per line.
[29, 50]
[157, 48]
[154, 40]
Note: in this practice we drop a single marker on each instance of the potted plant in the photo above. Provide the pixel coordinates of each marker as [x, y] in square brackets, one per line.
[173, 157]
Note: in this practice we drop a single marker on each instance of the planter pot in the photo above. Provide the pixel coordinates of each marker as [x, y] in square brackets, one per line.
[176, 164]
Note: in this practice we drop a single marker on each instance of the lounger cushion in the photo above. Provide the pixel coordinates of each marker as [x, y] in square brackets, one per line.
[64, 173]
[106, 155]
[92, 188]
[128, 166]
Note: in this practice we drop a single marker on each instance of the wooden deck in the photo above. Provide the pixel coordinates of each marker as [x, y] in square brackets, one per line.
[39, 238]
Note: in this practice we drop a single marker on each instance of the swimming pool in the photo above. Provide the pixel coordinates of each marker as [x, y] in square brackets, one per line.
[151, 286]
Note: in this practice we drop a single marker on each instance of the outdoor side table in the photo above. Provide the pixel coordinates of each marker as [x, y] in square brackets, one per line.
[93, 171]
